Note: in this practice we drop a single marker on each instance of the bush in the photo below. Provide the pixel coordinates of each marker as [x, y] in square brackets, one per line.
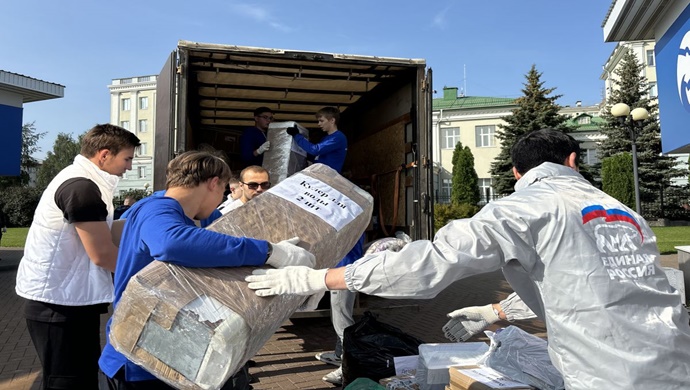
[444, 213]
[617, 178]
[19, 204]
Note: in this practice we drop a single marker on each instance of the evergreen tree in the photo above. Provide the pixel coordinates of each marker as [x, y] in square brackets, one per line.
[655, 171]
[617, 178]
[64, 150]
[465, 183]
[536, 110]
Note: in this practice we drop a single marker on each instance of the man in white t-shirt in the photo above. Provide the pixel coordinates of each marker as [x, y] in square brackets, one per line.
[254, 180]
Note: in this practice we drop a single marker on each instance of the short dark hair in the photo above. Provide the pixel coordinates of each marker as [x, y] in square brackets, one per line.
[540, 146]
[255, 169]
[107, 136]
[328, 113]
[192, 168]
[261, 110]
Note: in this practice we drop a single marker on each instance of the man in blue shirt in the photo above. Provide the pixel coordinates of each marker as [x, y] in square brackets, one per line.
[162, 228]
[331, 151]
[253, 141]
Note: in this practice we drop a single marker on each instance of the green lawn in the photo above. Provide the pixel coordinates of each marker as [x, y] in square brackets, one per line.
[668, 237]
[15, 237]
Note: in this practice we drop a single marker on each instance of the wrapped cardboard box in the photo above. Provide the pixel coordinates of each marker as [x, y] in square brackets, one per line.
[434, 360]
[477, 377]
[195, 327]
[284, 157]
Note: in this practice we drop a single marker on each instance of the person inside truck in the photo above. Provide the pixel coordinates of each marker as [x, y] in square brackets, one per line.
[331, 151]
[162, 228]
[65, 273]
[254, 180]
[253, 141]
[581, 260]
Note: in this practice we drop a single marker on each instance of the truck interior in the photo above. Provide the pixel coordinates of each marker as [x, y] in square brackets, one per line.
[219, 86]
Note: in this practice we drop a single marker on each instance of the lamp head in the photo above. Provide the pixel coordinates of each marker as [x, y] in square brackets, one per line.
[620, 110]
[639, 114]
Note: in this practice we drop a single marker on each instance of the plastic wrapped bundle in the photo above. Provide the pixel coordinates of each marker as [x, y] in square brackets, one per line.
[284, 157]
[195, 327]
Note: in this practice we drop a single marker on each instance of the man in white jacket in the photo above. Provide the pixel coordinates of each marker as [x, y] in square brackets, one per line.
[65, 274]
[580, 259]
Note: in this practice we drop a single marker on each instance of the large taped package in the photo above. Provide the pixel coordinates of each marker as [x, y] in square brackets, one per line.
[195, 327]
[284, 157]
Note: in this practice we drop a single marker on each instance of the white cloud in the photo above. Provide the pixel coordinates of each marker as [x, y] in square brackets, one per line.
[260, 14]
[439, 19]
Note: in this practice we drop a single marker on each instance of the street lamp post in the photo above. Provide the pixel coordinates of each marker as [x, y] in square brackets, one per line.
[633, 121]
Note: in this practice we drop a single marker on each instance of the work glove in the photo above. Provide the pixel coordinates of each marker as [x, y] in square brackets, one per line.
[299, 280]
[264, 147]
[286, 253]
[311, 303]
[466, 322]
[293, 130]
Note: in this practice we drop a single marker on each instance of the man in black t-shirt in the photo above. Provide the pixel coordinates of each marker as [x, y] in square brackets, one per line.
[65, 273]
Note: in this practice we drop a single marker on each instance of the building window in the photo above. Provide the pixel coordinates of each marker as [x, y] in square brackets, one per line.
[486, 191]
[142, 149]
[144, 103]
[126, 81]
[450, 136]
[584, 120]
[143, 126]
[590, 157]
[653, 92]
[446, 186]
[124, 125]
[144, 78]
[485, 136]
[650, 57]
[126, 104]
[142, 172]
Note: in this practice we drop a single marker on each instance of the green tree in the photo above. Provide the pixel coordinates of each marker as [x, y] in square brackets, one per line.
[444, 213]
[536, 110]
[465, 183]
[617, 178]
[655, 171]
[64, 150]
[30, 138]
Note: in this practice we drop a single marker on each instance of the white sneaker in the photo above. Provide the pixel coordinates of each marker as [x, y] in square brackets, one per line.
[329, 358]
[335, 377]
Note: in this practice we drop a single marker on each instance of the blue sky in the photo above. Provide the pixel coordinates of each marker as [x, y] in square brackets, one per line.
[488, 46]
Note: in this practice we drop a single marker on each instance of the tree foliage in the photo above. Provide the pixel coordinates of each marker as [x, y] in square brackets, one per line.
[536, 110]
[30, 138]
[465, 183]
[64, 150]
[135, 193]
[19, 204]
[617, 178]
[655, 171]
[445, 213]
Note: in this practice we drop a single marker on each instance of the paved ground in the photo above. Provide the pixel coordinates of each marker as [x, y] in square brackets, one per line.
[287, 360]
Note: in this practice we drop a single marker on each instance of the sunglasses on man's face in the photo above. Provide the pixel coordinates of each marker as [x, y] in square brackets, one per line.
[252, 185]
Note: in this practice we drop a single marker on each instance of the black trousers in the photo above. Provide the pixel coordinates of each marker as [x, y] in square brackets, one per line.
[239, 381]
[68, 352]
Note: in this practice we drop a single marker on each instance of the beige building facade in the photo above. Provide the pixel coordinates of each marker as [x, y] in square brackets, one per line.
[133, 106]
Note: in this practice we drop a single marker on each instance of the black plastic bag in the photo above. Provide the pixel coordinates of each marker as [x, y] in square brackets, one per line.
[369, 347]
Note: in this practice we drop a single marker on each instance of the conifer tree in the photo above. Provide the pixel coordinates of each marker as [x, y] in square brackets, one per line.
[655, 171]
[536, 110]
[465, 182]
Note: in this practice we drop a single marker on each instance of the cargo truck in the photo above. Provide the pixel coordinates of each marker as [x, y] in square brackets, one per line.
[206, 95]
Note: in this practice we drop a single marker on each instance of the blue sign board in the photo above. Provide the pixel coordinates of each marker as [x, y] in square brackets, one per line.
[672, 53]
[11, 145]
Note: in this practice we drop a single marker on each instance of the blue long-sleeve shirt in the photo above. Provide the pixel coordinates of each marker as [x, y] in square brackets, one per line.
[158, 229]
[330, 151]
[250, 140]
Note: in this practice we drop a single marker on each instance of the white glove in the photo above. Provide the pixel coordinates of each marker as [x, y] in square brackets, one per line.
[287, 253]
[289, 280]
[264, 147]
[466, 322]
[4, 229]
[311, 303]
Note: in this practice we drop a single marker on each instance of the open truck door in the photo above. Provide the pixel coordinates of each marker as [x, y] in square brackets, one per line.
[165, 121]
